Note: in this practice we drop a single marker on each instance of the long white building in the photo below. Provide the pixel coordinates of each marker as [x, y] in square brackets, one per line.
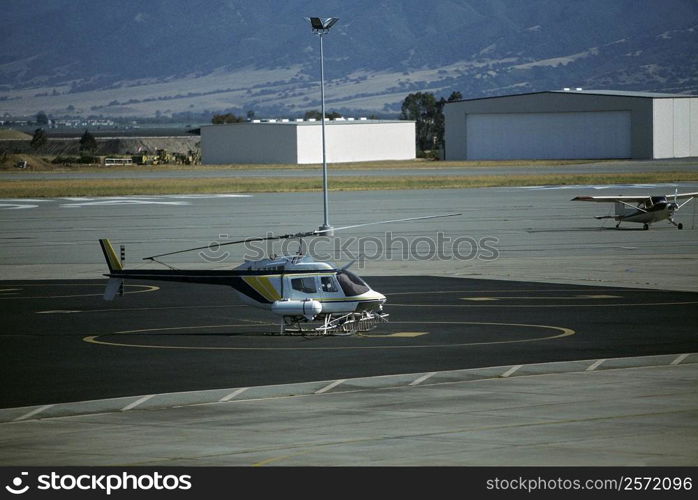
[300, 142]
[572, 124]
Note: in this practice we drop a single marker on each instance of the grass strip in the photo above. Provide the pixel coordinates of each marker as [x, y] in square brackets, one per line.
[42, 164]
[50, 188]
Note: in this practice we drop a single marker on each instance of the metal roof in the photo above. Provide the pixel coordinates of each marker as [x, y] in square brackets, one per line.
[623, 93]
[300, 122]
[615, 93]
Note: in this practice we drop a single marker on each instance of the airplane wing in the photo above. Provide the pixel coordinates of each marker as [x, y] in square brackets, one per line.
[620, 199]
[681, 195]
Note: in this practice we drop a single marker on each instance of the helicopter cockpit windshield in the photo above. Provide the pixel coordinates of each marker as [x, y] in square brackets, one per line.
[351, 284]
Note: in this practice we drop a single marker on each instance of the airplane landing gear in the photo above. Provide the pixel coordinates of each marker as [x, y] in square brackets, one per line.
[679, 225]
[645, 227]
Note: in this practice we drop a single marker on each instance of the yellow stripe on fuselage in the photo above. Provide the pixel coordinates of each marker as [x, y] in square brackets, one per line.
[263, 286]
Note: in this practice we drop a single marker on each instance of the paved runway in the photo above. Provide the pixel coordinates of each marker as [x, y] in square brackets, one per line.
[61, 342]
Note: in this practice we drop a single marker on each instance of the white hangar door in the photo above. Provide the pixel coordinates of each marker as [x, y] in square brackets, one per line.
[513, 136]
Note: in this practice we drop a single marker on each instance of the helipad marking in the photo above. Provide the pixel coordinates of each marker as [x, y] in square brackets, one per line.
[137, 403]
[511, 371]
[576, 304]
[423, 378]
[562, 332]
[396, 335]
[233, 394]
[330, 386]
[35, 411]
[595, 365]
[679, 359]
[143, 289]
[569, 297]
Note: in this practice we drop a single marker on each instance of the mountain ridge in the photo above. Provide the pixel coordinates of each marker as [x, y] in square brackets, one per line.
[168, 57]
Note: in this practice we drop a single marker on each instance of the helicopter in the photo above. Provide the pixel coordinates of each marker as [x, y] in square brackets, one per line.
[308, 296]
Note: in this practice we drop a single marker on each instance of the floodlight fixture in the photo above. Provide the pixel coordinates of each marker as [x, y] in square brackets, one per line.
[321, 27]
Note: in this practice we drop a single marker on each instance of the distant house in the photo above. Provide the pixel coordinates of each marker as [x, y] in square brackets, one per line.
[300, 141]
[572, 124]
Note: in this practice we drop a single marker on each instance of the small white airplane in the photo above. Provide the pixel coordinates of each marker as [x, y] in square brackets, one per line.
[643, 209]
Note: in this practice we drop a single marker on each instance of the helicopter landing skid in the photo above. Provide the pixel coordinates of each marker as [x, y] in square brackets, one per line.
[346, 324]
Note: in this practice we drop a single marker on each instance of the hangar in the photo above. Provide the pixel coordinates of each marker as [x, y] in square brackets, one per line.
[300, 141]
[572, 124]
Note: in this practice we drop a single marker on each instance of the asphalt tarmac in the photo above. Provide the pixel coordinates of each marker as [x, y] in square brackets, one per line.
[578, 347]
[61, 342]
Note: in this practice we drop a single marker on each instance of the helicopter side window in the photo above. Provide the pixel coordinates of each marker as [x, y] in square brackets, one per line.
[328, 284]
[304, 285]
[351, 284]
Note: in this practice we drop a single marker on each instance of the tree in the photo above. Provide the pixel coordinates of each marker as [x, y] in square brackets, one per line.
[41, 118]
[317, 115]
[226, 118]
[427, 112]
[88, 143]
[39, 139]
[422, 108]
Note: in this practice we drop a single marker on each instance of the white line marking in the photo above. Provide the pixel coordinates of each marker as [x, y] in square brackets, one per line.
[679, 359]
[595, 365]
[233, 394]
[15, 206]
[511, 370]
[422, 378]
[330, 386]
[33, 412]
[136, 403]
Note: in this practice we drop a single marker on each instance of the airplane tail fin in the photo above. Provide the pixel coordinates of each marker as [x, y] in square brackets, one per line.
[114, 285]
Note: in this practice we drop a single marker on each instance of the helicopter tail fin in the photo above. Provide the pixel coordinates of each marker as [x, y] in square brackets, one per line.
[113, 261]
[114, 285]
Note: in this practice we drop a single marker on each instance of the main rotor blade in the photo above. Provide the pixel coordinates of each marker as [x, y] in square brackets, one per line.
[203, 248]
[320, 231]
[237, 242]
[297, 235]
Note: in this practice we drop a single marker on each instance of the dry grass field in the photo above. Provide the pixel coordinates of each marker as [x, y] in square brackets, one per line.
[23, 187]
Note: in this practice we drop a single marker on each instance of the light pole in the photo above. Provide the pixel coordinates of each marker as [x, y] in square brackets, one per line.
[321, 28]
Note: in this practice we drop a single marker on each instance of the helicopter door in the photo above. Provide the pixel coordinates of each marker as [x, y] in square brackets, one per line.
[332, 296]
[329, 286]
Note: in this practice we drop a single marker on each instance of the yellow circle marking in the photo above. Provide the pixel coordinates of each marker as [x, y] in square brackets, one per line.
[615, 304]
[560, 332]
[489, 298]
[145, 289]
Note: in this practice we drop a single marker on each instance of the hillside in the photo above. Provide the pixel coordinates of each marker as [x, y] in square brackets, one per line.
[190, 57]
